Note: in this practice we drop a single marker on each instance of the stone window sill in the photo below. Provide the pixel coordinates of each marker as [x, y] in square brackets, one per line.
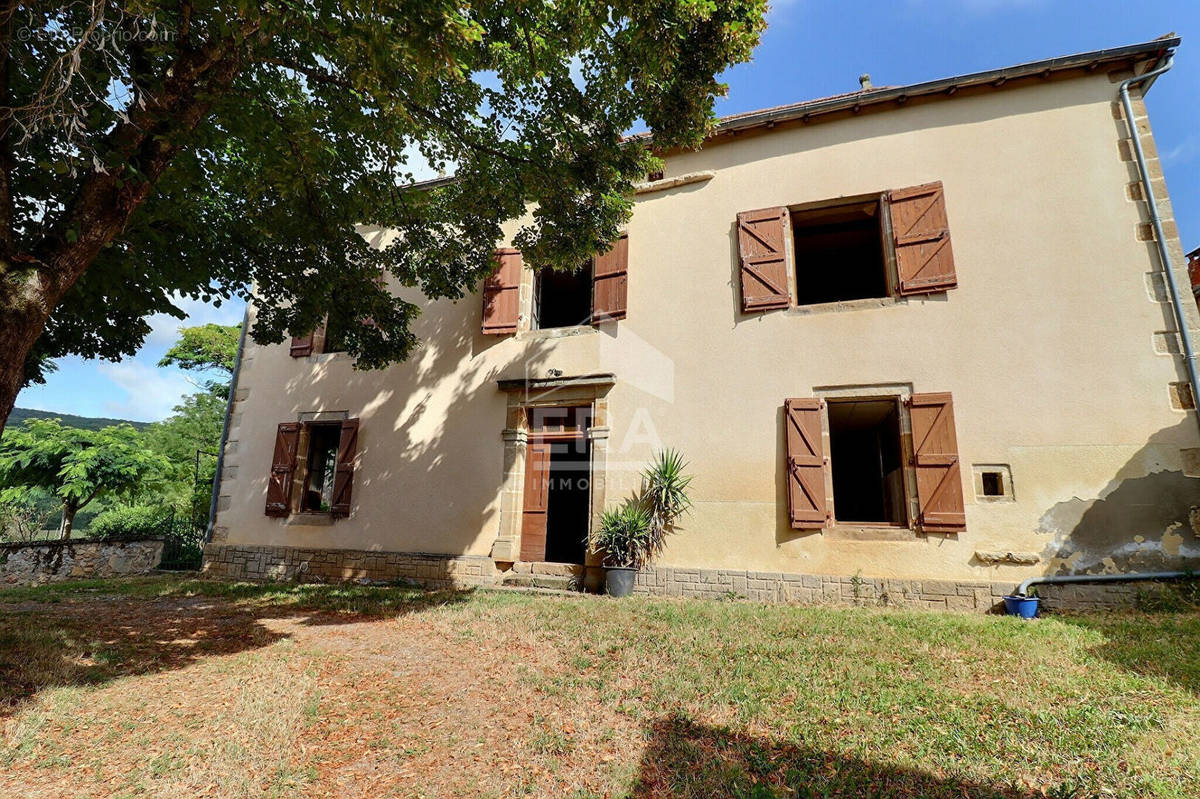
[310, 519]
[845, 305]
[558, 332]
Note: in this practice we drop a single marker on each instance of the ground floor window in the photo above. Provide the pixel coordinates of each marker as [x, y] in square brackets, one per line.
[866, 461]
[320, 467]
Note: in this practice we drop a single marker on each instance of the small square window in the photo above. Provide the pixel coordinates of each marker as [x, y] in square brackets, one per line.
[993, 482]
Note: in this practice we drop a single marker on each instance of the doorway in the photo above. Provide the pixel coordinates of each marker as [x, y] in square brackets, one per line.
[557, 499]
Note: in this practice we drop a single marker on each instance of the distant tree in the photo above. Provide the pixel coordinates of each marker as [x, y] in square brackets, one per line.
[194, 425]
[25, 514]
[155, 149]
[206, 349]
[77, 466]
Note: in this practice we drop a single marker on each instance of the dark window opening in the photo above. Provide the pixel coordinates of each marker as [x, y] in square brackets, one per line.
[993, 484]
[568, 500]
[321, 467]
[868, 473]
[839, 253]
[562, 299]
[335, 336]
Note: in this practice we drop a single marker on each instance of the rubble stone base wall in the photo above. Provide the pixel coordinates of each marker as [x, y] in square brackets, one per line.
[443, 571]
[54, 561]
[343, 565]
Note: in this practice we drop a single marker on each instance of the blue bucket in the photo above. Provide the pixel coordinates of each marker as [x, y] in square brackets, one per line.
[1024, 606]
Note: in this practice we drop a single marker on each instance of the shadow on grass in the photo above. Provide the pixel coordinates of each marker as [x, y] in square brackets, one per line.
[1161, 645]
[687, 760]
[90, 634]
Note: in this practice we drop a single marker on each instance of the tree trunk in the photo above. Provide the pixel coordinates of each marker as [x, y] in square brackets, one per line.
[22, 319]
[68, 521]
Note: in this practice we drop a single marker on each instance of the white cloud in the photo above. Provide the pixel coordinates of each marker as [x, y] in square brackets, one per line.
[150, 393]
[1182, 152]
[164, 328]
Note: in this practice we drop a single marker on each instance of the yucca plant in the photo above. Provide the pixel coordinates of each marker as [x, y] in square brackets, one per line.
[634, 533]
[624, 536]
[665, 488]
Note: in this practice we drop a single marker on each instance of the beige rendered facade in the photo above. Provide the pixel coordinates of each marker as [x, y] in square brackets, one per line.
[1054, 340]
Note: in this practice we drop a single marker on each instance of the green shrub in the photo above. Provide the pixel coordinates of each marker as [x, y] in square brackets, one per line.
[133, 521]
[624, 535]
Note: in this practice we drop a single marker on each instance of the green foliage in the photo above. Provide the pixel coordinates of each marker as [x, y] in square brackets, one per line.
[130, 521]
[25, 515]
[244, 147]
[665, 488]
[19, 415]
[195, 425]
[75, 465]
[207, 349]
[634, 533]
[624, 535]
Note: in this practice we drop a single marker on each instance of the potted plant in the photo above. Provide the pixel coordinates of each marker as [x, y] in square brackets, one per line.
[1023, 605]
[634, 533]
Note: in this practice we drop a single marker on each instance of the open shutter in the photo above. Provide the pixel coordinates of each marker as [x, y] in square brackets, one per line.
[301, 346]
[610, 282]
[805, 464]
[501, 294]
[283, 467]
[762, 252]
[935, 450]
[343, 479]
[921, 235]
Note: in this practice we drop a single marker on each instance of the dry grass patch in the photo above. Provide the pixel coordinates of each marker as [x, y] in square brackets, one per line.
[186, 688]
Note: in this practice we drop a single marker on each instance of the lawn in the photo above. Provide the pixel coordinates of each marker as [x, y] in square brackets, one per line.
[172, 687]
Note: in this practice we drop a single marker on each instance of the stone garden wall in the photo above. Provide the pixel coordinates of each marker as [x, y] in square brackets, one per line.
[53, 561]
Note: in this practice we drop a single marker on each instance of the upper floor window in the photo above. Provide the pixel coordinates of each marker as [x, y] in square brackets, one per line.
[839, 253]
[596, 292]
[562, 299]
[892, 244]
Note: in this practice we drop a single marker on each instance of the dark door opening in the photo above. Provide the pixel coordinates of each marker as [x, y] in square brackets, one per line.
[557, 498]
[567, 514]
[839, 253]
[868, 472]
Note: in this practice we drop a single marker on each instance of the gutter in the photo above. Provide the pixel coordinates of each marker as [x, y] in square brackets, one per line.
[233, 382]
[1160, 239]
[1023, 588]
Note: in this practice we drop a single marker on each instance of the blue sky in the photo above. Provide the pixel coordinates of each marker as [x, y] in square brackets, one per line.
[812, 48]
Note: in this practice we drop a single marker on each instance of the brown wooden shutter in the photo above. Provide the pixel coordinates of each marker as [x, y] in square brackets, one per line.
[921, 235]
[283, 467]
[805, 463]
[501, 294]
[301, 346]
[762, 251]
[935, 450]
[343, 479]
[536, 500]
[610, 282]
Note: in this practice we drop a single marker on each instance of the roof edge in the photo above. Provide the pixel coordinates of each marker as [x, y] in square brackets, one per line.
[1156, 48]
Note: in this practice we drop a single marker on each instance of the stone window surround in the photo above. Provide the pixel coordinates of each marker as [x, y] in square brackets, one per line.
[901, 393]
[523, 395]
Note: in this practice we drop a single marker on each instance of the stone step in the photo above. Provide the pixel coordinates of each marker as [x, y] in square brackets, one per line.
[558, 582]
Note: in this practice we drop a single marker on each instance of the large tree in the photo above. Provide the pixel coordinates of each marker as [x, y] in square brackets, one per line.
[152, 149]
[77, 466]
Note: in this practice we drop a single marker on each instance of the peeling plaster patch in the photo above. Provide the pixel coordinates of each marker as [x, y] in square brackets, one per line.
[1146, 523]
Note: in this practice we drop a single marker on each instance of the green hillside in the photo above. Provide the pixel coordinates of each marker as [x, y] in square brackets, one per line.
[19, 415]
